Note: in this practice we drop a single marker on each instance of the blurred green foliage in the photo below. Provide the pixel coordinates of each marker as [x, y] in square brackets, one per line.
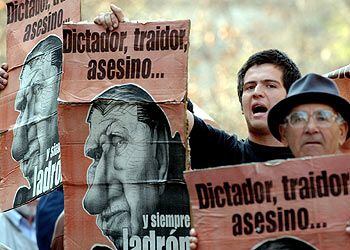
[224, 33]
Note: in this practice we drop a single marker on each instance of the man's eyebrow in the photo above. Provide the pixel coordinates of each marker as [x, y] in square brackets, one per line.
[112, 119]
[271, 80]
[249, 82]
[106, 106]
[30, 74]
[264, 81]
[35, 73]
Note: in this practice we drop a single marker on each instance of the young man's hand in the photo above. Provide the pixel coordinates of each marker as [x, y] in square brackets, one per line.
[3, 76]
[111, 20]
[193, 239]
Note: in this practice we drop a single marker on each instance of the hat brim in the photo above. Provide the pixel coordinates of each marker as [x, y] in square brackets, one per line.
[279, 112]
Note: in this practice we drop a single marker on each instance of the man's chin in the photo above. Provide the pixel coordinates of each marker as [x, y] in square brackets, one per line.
[117, 238]
[28, 166]
[260, 116]
[259, 126]
[113, 229]
[29, 175]
[118, 242]
[312, 150]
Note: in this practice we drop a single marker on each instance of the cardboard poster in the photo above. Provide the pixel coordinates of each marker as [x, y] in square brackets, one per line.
[342, 78]
[122, 133]
[303, 203]
[29, 143]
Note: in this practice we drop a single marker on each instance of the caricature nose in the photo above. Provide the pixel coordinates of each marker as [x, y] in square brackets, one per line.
[20, 143]
[20, 138]
[96, 198]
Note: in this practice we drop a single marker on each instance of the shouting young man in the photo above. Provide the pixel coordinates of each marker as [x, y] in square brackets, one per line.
[263, 81]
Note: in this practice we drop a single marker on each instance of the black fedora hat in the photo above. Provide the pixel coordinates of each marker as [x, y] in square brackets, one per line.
[312, 88]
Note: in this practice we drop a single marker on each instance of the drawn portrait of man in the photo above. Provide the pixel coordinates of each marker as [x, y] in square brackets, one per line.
[36, 130]
[134, 155]
[284, 243]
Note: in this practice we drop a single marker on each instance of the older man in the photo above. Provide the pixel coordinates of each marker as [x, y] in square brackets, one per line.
[133, 157]
[313, 119]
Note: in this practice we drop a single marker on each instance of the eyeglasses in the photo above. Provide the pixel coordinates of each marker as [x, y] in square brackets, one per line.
[323, 118]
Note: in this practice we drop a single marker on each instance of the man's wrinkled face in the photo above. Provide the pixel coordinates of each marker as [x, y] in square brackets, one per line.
[36, 101]
[314, 139]
[124, 173]
[262, 89]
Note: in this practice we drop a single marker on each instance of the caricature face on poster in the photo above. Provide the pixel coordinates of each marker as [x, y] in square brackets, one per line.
[130, 150]
[131, 133]
[36, 131]
[285, 242]
[29, 139]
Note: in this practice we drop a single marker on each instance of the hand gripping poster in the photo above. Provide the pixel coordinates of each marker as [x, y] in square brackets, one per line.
[29, 142]
[342, 78]
[282, 204]
[122, 118]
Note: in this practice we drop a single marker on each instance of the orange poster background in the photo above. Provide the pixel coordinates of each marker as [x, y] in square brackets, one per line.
[10, 174]
[215, 226]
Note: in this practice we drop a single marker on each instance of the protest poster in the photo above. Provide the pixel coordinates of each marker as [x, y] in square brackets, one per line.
[342, 78]
[29, 143]
[303, 202]
[122, 118]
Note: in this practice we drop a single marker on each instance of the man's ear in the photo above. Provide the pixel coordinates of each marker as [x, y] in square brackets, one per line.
[282, 129]
[344, 128]
[162, 154]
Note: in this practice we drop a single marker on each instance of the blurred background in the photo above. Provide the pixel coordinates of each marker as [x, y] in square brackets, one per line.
[224, 33]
